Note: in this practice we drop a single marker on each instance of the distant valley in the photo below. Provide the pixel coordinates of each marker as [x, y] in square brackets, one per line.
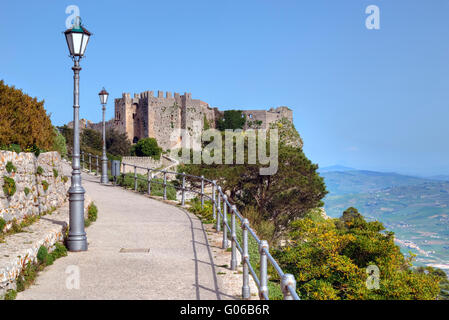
[416, 209]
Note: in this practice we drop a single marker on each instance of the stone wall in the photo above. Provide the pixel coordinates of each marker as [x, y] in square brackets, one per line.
[38, 200]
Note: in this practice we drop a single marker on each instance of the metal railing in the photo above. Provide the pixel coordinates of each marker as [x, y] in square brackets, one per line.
[221, 207]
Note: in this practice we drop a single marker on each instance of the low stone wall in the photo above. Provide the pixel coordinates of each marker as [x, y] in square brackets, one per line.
[38, 200]
[145, 162]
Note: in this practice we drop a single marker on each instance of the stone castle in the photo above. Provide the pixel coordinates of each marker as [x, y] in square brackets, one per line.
[147, 115]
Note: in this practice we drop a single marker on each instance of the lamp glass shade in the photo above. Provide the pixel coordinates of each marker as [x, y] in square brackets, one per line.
[103, 96]
[77, 39]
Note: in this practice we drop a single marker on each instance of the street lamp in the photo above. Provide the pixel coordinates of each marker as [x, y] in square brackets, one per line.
[77, 39]
[104, 160]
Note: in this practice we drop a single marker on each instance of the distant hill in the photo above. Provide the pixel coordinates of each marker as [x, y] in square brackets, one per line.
[335, 168]
[440, 177]
[361, 181]
[416, 209]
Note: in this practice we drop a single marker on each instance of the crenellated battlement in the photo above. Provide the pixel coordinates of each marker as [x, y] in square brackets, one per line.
[157, 114]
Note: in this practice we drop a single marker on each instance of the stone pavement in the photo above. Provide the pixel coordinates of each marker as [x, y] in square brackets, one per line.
[179, 264]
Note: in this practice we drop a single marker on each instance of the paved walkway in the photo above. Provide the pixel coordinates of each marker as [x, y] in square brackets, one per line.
[179, 264]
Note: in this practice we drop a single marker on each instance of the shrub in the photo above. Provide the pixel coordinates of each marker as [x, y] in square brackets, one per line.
[45, 185]
[39, 170]
[27, 191]
[9, 186]
[2, 224]
[55, 173]
[92, 212]
[42, 254]
[11, 295]
[147, 147]
[59, 143]
[15, 147]
[64, 179]
[10, 167]
[23, 119]
[59, 251]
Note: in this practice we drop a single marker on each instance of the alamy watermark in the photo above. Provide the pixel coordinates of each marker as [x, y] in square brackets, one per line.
[262, 147]
[372, 22]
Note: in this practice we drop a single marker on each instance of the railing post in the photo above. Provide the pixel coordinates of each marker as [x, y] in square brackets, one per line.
[149, 182]
[263, 290]
[288, 280]
[224, 244]
[245, 260]
[135, 178]
[214, 207]
[233, 240]
[202, 192]
[183, 199]
[90, 163]
[165, 185]
[218, 209]
[96, 167]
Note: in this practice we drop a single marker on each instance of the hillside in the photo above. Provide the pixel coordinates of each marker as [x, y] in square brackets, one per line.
[416, 209]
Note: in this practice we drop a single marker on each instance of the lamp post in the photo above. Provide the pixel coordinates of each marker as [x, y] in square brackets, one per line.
[77, 39]
[104, 160]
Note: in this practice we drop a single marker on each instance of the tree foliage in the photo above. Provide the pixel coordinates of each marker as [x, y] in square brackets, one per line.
[117, 143]
[147, 147]
[289, 194]
[232, 119]
[329, 259]
[59, 143]
[23, 120]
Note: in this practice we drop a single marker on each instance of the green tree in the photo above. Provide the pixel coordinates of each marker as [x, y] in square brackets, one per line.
[91, 141]
[329, 259]
[147, 147]
[232, 119]
[117, 143]
[23, 120]
[59, 143]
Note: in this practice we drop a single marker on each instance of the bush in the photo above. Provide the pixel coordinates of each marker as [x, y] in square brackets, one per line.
[42, 254]
[39, 171]
[92, 212]
[45, 185]
[206, 213]
[2, 224]
[9, 186]
[10, 167]
[11, 295]
[59, 251]
[147, 147]
[59, 143]
[23, 120]
[232, 119]
[117, 143]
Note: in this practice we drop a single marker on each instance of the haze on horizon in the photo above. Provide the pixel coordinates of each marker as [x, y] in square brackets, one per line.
[367, 99]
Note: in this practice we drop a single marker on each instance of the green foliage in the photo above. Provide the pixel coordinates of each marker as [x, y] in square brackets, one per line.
[67, 133]
[206, 213]
[11, 295]
[10, 167]
[44, 185]
[59, 251]
[2, 225]
[288, 194]
[27, 191]
[34, 149]
[441, 276]
[39, 171]
[232, 119]
[9, 186]
[92, 212]
[206, 125]
[117, 143]
[64, 179]
[23, 120]
[42, 254]
[329, 259]
[55, 173]
[59, 143]
[157, 188]
[14, 147]
[91, 139]
[147, 147]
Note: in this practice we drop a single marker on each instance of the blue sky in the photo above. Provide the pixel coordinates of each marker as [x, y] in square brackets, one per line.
[369, 99]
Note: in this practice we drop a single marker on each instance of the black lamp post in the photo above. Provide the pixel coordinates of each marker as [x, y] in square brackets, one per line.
[77, 39]
[104, 160]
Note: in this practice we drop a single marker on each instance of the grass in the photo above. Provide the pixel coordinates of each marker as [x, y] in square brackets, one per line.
[157, 188]
[92, 214]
